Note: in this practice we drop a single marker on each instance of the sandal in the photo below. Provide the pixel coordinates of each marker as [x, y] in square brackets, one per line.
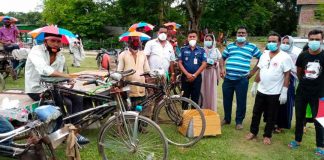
[293, 145]
[250, 136]
[319, 152]
[266, 140]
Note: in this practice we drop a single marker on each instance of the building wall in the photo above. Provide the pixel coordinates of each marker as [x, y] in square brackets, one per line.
[306, 21]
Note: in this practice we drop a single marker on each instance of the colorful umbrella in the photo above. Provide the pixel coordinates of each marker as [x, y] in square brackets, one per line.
[175, 25]
[11, 18]
[147, 26]
[124, 37]
[39, 33]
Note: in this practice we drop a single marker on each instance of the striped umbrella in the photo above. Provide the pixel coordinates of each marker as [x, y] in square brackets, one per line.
[146, 26]
[125, 36]
[8, 17]
[174, 24]
[39, 33]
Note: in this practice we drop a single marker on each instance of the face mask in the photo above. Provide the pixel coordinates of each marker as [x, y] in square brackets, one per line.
[52, 50]
[240, 39]
[192, 43]
[208, 43]
[272, 46]
[285, 47]
[162, 37]
[314, 45]
[134, 45]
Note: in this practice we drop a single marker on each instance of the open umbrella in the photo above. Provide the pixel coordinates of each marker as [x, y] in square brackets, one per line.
[146, 26]
[39, 33]
[125, 36]
[8, 17]
[174, 24]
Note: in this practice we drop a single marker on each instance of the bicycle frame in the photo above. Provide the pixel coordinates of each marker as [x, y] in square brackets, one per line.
[94, 113]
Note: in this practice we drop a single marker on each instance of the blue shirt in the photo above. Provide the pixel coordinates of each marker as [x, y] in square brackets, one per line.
[192, 59]
[238, 59]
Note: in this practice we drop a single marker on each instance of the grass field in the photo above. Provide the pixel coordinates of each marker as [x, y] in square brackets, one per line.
[231, 145]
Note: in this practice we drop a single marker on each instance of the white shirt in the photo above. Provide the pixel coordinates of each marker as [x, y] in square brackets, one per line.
[272, 72]
[159, 57]
[37, 64]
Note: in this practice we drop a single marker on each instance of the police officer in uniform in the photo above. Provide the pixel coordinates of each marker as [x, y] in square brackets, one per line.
[192, 62]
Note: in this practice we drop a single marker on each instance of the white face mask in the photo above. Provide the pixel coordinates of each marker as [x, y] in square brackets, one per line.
[162, 37]
[192, 43]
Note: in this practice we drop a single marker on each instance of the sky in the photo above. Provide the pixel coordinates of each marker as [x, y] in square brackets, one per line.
[19, 5]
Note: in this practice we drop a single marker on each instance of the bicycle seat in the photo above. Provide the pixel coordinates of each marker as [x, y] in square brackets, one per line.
[48, 79]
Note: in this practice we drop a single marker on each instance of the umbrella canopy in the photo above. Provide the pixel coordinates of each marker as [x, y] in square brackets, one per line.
[8, 17]
[174, 24]
[146, 26]
[39, 33]
[125, 36]
[320, 112]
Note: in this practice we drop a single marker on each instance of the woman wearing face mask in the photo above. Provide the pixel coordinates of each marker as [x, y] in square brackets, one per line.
[286, 110]
[210, 76]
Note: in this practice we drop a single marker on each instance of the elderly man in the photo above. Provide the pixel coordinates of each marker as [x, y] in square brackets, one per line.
[9, 36]
[160, 53]
[46, 59]
[134, 58]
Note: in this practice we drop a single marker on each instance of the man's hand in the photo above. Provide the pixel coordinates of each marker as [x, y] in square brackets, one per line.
[250, 75]
[222, 73]
[283, 95]
[190, 77]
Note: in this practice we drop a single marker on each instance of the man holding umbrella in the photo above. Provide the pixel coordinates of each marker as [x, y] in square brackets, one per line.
[46, 60]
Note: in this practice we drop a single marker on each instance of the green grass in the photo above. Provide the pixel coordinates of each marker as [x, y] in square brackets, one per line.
[231, 145]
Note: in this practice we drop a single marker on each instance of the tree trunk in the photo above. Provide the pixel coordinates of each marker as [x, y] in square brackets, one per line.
[195, 9]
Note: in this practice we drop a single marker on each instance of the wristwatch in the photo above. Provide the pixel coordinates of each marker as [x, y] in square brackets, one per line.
[193, 75]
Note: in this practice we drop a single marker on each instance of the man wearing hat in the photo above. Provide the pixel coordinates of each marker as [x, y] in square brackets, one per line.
[46, 60]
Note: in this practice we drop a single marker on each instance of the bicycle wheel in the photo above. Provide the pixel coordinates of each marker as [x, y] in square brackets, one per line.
[169, 116]
[139, 138]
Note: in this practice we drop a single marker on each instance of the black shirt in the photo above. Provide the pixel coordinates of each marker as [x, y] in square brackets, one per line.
[312, 80]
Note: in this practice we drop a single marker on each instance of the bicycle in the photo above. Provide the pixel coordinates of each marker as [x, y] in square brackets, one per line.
[169, 111]
[36, 143]
[122, 135]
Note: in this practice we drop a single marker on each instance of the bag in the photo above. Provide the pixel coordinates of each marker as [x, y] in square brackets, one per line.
[47, 113]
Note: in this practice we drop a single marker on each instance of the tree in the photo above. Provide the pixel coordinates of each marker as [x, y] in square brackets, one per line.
[195, 9]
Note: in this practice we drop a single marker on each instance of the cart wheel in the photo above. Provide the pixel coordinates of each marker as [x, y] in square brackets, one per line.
[2, 83]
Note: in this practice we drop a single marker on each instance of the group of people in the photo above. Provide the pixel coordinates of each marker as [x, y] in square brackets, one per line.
[277, 70]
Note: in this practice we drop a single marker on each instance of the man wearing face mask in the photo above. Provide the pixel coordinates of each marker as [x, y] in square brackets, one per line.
[270, 87]
[236, 75]
[160, 53]
[9, 36]
[192, 62]
[133, 58]
[46, 60]
[310, 64]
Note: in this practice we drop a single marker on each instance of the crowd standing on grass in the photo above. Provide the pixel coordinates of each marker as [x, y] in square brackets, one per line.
[278, 69]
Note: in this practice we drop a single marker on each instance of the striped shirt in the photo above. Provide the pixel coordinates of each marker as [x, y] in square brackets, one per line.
[238, 59]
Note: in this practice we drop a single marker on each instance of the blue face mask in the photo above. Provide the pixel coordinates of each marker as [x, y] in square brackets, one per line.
[272, 46]
[285, 47]
[240, 39]
[314, 45]
[208, 43]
